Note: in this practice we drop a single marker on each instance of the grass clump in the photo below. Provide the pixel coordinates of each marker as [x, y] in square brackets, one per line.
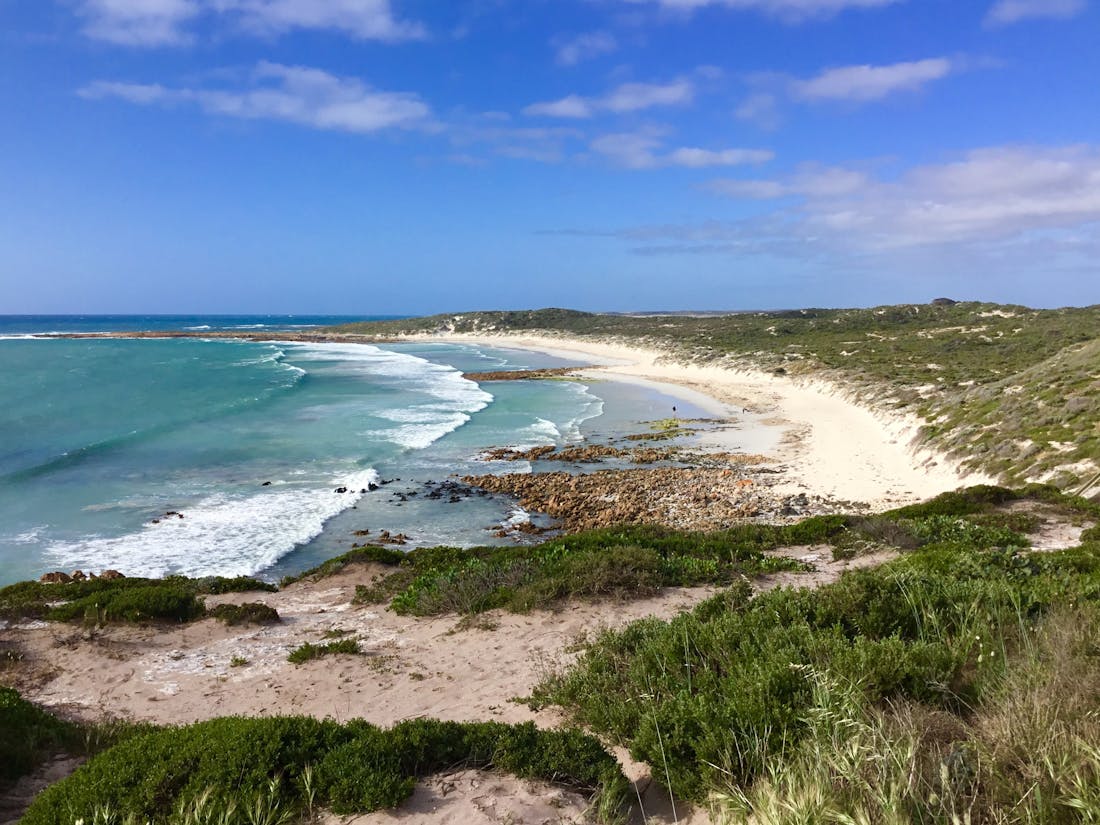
[309, 651]
[293, 766]
[247, 613]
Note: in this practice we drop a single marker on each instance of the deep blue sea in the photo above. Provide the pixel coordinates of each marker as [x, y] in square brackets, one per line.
[101, 438]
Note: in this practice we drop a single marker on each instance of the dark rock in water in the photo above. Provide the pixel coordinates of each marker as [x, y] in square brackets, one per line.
[341, 489]
[372, 487]
[266, 484]
[156, 521]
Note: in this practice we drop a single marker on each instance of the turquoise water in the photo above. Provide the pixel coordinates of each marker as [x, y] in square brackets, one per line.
[99, 439]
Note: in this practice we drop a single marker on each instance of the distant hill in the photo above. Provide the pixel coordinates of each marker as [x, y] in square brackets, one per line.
[1006, 389]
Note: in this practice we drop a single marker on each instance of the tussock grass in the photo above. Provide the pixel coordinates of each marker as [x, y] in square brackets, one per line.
[308, 651]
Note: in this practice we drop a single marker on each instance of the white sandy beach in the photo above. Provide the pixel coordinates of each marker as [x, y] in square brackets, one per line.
[832, 446]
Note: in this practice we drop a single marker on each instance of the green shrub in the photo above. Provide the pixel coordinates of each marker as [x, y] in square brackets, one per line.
[938, 529]
[352, 768]
[157, 602]
[35, 600]
[712, 695]
[27, 734]
[308, 651]
[247, 613]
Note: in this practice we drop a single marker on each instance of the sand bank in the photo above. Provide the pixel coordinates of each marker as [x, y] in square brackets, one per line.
[831, 445]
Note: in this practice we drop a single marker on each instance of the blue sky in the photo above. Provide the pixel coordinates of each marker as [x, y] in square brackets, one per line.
[415, 156]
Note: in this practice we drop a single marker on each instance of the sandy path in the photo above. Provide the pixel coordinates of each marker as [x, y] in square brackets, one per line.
[833, 447]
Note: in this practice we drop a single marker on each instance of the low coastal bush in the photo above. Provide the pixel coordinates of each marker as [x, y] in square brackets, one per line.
[309, 651]
[247, 613]
[716, 698]
[626, 562]
[292, 765]
[27, 734]
[155, 602]
[30, 735]
[127, 599]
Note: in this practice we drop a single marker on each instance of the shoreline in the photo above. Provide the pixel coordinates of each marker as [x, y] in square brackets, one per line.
[832, 446]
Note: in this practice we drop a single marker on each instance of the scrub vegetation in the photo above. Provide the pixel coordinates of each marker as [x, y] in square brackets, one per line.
[288, 769]
[1006, 389]
[955, 684]
[99, 601]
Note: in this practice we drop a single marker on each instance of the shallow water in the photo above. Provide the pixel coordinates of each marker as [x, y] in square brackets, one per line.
[100, 439]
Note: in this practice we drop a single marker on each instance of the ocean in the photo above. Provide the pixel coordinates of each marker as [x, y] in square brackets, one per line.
[106, 443]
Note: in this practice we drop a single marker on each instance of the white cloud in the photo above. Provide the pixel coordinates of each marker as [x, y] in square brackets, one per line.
[866, 83]
[362, 19]
[574, 50]
[696, 158]
[139, 22]
[165, 22]
[1006, 12]
[787, 10]
[573, 106]
[761, 109]
[988, 195]
[810, 181]
[629, 97]
[644, 150]
[296, 94]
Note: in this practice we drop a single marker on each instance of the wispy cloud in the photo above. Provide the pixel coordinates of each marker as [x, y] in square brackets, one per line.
[573, 50]
[629, 97]
[362, 19]
[151, 23]
[988, 194]
[1009, 212]
[139, 22]
[296, 94]
[645, 150]
[1006, 12]
[794, 11]
[867, 83]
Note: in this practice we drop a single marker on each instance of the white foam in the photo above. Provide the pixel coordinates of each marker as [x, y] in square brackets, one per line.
[419, 436]
[517, 517]
[221, 535]
[448, 402]
[199, 328]
[30, 536]
[593, 409]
